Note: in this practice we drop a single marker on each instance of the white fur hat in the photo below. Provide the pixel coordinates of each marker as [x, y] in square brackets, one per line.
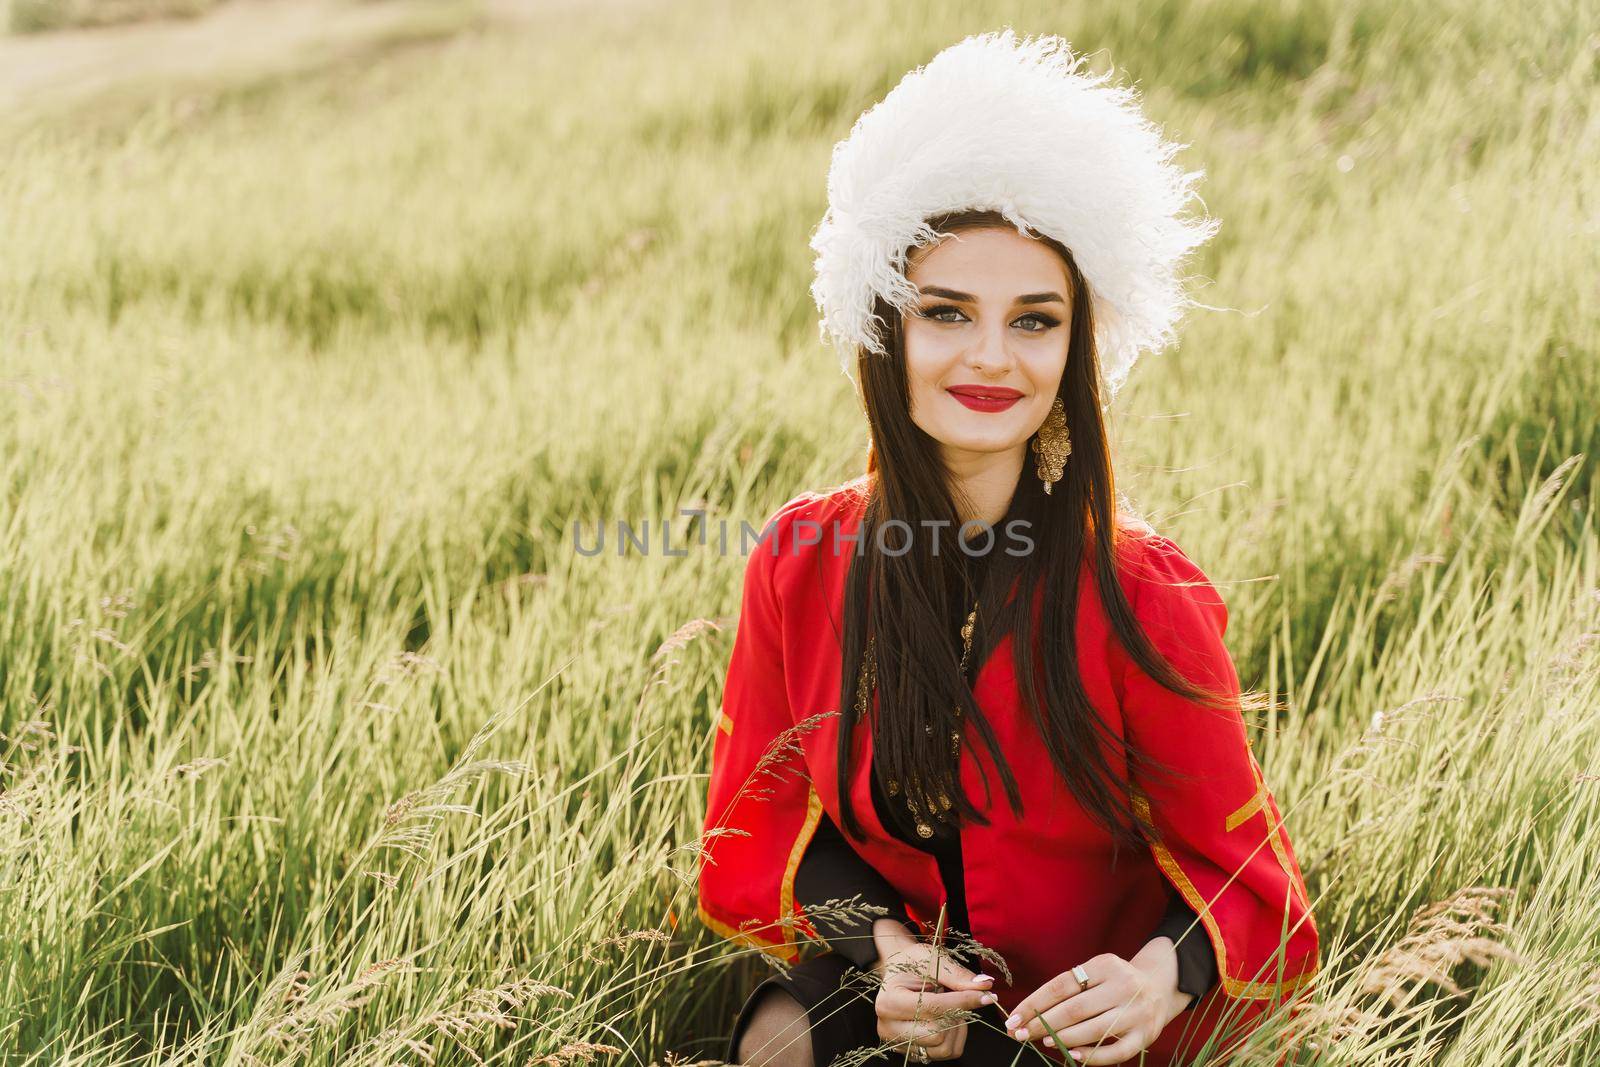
[997, 123]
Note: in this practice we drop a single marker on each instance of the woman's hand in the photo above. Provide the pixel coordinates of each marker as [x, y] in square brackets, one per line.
[1125, 1008]
[922, 989]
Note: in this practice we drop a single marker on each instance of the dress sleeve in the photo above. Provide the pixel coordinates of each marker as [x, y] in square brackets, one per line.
[1216, 832]
[832, 870]
[761, 809]
[1197, 965]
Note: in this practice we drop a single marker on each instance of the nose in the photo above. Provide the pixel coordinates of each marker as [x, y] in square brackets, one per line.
[989, 353]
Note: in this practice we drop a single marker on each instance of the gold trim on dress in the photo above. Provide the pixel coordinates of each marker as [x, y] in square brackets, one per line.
[725, 723]
[787, 950]
[1274, 828]
[808, 830]
[1234, 987]
[1251, 806]
[787, 947]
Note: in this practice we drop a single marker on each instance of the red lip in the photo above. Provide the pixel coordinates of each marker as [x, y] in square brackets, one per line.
[985, 397]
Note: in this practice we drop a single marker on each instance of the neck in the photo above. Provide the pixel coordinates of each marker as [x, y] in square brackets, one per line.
[984, 482]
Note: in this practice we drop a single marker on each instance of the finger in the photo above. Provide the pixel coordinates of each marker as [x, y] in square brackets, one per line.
[941, 1016]
[1076, 1010]
[954, 1039]
[900, 1033]
[958, 1040]
[946, 1049]
[1057, 990]
[934, 965]
[1121, 1021]
[1125, 1048]
[938, 1048]
[952, 974]
[905, 1002]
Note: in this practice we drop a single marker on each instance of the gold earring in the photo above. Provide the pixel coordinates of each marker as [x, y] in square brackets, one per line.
[1052, 445]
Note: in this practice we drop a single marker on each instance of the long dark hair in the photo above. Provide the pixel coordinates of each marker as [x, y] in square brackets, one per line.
[904, 595]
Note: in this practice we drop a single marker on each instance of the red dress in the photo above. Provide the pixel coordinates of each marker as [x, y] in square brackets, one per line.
[1041, 890]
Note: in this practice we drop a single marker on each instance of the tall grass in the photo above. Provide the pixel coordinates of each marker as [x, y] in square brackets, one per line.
[35, 16]
[322, 744]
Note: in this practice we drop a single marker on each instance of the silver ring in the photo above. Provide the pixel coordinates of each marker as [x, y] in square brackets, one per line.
[1081, 975]
[920, 1054]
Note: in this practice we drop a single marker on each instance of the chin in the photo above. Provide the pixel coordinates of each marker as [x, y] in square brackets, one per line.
[978, 444]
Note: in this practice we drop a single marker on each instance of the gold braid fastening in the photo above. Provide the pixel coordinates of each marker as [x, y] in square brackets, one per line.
[868, 680]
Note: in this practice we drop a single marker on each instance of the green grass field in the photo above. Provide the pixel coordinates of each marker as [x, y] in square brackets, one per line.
[322, 745]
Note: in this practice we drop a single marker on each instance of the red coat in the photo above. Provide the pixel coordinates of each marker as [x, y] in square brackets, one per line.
[1040, 891]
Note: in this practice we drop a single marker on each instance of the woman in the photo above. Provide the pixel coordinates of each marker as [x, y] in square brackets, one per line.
[1002, 241]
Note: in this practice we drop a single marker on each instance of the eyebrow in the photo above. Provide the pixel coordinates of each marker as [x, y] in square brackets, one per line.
[968, 298]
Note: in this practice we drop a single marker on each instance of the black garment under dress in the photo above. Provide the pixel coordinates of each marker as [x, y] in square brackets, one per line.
[829, 986]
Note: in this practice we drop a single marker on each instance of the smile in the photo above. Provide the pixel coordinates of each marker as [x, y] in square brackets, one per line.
[985, 397]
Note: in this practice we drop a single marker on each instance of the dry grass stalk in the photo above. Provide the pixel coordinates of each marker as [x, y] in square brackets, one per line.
[697, 853]
[84, 639]
[406, 665]
[784, 755]
[1323, 1023]
[28, 735]
[683, 635]
[29, 793]
[784, 749]
[411, 823]
[210, 660]
[1553, 486]
[605, 614]
[23, 800]
[1380, 731]
[664, 660]
[850, 912]
[276, 544]
[1400, 578]
[484, 1010]
[1585, 996]
[1459, 929]
[196, 768]
[945, 1020]
[117, 605]
[1438, 937]
[1383, 733]
[1574, 662]
[629, 937]
[577, 1052]
[305, 1016]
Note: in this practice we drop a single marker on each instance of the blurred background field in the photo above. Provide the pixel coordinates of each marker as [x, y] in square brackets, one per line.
[321, 744]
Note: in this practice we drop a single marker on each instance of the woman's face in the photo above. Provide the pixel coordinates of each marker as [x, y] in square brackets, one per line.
[986, 343]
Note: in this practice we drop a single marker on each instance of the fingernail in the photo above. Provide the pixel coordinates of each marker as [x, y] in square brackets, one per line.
[1022, 1033]
[1049, 1042]
[1011, 1023]
[983, 978]
[1075, 1054]
[987, 998]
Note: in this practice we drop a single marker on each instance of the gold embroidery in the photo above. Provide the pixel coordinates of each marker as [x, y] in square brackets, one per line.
[868, 680]
[725, 723]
